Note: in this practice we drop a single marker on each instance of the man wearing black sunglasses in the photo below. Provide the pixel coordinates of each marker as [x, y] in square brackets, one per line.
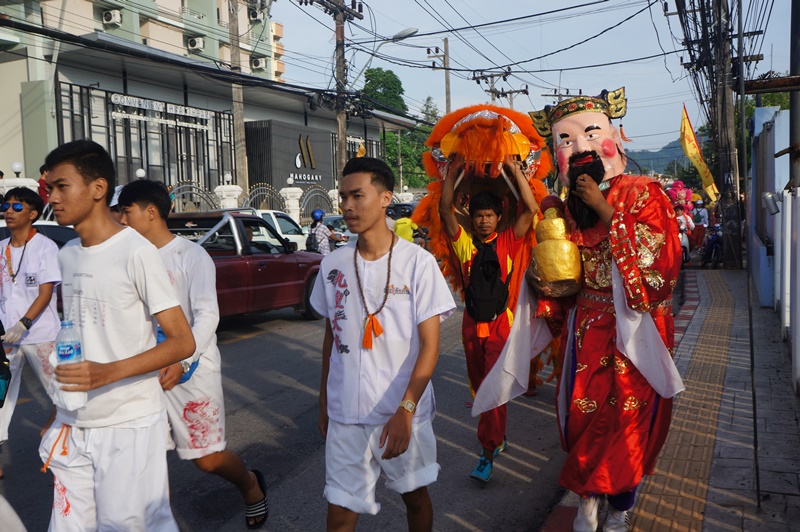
[28, 276]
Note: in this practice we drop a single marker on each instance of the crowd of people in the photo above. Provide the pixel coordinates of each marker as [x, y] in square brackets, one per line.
[144, 304]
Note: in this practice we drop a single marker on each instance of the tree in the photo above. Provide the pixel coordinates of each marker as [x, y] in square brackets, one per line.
[385, 88]
[430, 113]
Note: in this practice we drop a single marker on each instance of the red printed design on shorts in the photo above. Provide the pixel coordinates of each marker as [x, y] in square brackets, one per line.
[202, 418]
[60, 501]
[43, 354]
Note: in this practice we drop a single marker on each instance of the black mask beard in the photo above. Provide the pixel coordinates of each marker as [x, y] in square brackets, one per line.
[584, 216]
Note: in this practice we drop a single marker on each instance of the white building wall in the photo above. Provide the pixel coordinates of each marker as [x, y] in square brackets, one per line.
[13, 74]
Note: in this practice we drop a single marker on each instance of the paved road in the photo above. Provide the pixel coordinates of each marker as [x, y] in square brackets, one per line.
[271, 368]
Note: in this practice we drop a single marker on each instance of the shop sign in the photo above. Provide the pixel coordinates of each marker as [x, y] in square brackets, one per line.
[161, 107]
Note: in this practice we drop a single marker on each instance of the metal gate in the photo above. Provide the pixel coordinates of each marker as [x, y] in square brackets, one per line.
[315, 197]
[188, 196]
[264, 197]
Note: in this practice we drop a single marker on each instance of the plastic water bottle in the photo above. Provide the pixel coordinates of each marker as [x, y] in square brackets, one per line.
[68, 344]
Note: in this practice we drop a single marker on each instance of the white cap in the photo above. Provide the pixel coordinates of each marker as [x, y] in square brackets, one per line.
[115, 198]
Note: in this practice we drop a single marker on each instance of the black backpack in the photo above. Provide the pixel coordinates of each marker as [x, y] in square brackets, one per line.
[311, 240]
[486, 295]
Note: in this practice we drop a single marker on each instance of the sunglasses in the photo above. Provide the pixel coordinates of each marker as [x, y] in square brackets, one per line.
[16, 206]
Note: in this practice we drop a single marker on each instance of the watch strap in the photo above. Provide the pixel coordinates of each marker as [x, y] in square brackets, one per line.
[27, 322]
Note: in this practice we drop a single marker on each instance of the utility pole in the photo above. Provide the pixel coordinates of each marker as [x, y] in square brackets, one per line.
[794, 96]
[445, 58]
[237, 97]
[562, 95]
[490, 80]
[340, 13]
[502, 93]
[400, 159]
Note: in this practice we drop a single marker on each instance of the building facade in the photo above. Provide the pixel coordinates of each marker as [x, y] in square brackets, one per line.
[150, 81]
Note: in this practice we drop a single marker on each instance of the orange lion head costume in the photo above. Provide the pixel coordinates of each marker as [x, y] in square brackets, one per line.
[485, 135]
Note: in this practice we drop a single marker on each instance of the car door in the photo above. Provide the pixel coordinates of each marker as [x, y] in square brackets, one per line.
[290, 230]
[278, 278]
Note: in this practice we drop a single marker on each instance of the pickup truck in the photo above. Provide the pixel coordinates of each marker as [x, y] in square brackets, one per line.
[257, 269]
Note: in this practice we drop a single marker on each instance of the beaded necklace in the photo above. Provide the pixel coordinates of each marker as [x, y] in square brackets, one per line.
[371, 324]
[11, 271]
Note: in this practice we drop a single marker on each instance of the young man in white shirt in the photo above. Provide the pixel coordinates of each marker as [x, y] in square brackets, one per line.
[108, 457]
[193, 387]
[28, 277]
[383, 298]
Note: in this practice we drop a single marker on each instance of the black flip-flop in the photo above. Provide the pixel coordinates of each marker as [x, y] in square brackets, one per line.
[257, 509]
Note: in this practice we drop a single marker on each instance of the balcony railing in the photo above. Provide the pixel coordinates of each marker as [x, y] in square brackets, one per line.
[192, 13]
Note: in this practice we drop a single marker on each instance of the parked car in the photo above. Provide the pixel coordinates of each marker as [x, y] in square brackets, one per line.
[257, 269]
[339, 228]
[400, 210]
[60, 234]
[285, 226]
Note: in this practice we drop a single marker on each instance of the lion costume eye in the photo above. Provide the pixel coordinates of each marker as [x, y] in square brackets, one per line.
[438, 156]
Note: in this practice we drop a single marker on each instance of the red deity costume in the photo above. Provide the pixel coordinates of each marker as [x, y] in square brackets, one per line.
[613, 422]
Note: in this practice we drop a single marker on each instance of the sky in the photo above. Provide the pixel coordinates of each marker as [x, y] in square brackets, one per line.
[656, 88]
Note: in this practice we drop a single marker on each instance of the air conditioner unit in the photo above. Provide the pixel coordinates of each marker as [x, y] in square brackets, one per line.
[258, 63]
[256, 16]
[112, 17]
[195, 43]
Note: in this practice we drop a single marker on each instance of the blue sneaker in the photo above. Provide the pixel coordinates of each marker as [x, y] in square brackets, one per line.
[483, 471]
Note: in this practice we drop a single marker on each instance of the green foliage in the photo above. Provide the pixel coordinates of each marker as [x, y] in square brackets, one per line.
[385, 87]
[412, 146]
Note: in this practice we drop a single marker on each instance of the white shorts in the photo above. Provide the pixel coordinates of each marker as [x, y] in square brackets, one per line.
[353, 464]
[37, 356]
[196, 413]
[109, 478]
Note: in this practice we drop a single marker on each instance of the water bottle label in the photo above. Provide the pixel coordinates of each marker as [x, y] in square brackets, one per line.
[68, 352]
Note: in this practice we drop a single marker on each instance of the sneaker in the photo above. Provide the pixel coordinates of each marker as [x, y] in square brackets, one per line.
[616, 521]
[482, 471]
[586, 519]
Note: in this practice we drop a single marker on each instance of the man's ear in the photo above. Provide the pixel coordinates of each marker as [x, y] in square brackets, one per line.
[99, 188]
[386, 198]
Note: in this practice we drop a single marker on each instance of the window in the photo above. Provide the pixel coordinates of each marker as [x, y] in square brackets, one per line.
[261, 238]
[287, 225]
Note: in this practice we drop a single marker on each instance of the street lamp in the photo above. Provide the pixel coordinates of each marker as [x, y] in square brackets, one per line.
[140, 173]
[399, 36]
[16, 168]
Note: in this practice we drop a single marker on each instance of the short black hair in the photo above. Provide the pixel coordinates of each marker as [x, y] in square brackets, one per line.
[90, 160]
[144, 193]
[26, 195]
[485, 200]
[382, 175]
[42, 169]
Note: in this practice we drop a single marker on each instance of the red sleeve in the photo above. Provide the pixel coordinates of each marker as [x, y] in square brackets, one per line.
[645, 245]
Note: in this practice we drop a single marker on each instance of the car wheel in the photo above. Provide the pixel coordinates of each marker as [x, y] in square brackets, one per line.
[308, 310]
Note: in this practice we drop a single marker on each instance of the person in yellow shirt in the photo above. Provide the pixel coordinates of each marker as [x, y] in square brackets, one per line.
[404, 228]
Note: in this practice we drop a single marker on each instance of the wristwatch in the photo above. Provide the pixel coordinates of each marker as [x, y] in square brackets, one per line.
[186, 366]
[27, 322]
[409, 406]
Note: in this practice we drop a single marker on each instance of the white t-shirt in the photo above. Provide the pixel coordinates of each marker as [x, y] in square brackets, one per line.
[111, 292]
[193, 275]
[365, 386]
[38, 266]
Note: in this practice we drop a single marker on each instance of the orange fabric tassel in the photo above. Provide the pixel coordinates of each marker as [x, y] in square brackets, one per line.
[372, 327]
[622, 134]
[483, 329]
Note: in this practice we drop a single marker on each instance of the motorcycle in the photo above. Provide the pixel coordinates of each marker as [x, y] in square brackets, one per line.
[684, 246]
[712, 252]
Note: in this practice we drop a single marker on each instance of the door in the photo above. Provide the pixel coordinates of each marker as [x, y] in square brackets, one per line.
[278, 278]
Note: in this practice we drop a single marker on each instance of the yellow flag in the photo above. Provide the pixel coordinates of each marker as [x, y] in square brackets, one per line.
[693, 153]
[362, 151]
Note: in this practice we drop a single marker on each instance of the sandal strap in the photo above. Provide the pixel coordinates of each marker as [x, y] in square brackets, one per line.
[256, 509]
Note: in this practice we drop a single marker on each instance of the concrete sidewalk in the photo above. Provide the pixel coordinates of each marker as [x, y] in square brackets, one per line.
[705, 478]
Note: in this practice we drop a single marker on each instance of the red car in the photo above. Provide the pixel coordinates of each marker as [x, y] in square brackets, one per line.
[257, 269]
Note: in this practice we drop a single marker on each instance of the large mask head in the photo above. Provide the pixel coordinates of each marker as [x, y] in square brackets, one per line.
[584, 139]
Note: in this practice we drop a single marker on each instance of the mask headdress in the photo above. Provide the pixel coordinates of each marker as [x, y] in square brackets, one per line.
[484, 135]
[613, 104]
